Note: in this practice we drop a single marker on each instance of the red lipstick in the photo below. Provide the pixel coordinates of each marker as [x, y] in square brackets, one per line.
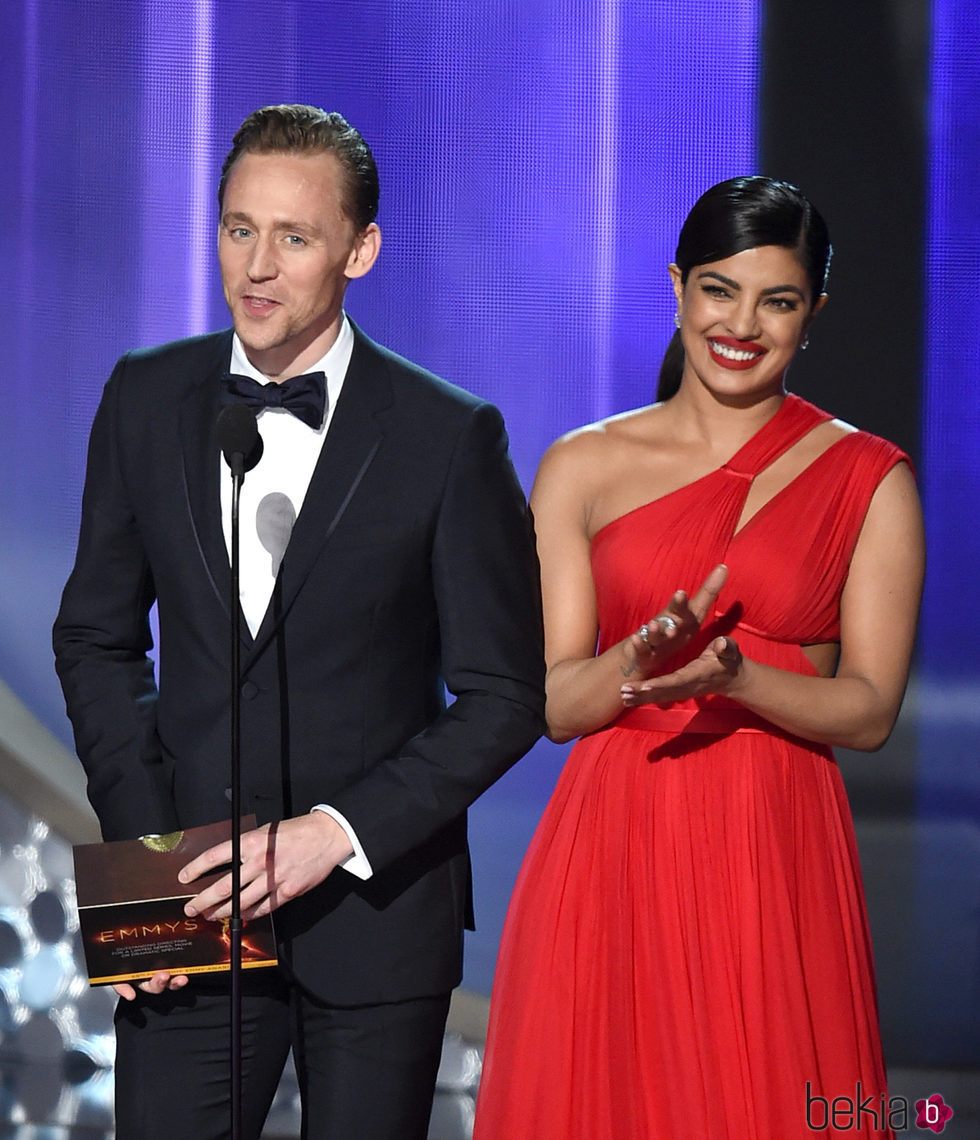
[740, 346]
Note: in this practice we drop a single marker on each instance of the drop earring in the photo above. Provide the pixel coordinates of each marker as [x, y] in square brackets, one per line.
[805, 343]
[677, 319]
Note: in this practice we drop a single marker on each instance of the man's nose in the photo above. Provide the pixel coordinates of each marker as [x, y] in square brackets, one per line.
[262, 263]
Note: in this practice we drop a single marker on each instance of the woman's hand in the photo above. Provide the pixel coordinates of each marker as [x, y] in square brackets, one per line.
[715, 671]
[662, 636]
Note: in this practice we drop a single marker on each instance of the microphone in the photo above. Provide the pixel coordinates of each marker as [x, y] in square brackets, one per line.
[238, 438]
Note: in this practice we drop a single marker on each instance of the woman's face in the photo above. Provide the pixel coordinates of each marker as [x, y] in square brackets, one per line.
[743, 319]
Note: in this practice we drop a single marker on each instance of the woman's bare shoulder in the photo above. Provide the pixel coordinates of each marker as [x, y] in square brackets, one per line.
[607, 437]
[587, 462]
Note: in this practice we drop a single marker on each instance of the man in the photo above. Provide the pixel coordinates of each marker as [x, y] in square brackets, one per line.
[386, 552]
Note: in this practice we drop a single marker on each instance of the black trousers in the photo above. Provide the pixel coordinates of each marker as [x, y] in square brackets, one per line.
[365, 1072]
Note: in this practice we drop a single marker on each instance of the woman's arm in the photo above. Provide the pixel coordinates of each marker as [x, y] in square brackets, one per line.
[583, 690]
[858, 706]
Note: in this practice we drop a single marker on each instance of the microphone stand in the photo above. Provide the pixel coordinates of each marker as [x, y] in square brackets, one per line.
[237, 463]
[240, 441]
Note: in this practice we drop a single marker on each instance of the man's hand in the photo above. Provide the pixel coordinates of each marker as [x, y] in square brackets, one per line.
[279, 862]
[156, 985]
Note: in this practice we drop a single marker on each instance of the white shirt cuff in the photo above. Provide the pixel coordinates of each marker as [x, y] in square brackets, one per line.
[357, 864]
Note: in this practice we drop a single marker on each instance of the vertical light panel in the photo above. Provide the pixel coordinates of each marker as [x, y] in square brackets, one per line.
[30, 91]
[605, 198]
[687, 91]
[951, 401]
[948, 899]
[949, 662]
[203, 174]
[178, 167]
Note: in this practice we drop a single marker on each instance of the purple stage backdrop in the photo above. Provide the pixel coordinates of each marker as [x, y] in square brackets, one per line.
[945, 1001]
[536, 161]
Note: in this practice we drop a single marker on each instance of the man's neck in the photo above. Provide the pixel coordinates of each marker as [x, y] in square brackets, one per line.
[285, 361]
[277, 365]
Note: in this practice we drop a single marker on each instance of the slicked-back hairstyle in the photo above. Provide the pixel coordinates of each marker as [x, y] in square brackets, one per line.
[741, 214]
[295, 128]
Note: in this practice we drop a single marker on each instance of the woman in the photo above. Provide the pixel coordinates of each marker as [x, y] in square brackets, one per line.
[687, 948]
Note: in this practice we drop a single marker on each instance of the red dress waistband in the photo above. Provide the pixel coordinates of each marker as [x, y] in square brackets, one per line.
[712, 722]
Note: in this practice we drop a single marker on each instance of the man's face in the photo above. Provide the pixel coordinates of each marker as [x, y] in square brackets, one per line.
[287, 251]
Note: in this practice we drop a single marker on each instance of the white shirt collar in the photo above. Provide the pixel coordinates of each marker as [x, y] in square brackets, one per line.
[333, 364]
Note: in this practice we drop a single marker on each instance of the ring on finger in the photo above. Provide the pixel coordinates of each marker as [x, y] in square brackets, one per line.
[666, 622]
[643, 633]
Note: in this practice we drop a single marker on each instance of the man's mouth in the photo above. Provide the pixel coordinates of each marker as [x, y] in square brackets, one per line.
[258, 305]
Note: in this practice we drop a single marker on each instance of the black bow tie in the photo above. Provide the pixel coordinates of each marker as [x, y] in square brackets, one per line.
[305, 396]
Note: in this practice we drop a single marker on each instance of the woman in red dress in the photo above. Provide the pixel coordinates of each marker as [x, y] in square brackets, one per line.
[687, 950]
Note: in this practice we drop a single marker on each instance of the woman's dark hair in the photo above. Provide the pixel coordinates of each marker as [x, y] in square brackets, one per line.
[740, 214]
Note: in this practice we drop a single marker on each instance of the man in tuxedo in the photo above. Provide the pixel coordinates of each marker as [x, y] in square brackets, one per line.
[387, 555]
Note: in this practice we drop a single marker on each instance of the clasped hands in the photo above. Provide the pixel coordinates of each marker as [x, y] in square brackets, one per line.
[279, 862]
[713, 671]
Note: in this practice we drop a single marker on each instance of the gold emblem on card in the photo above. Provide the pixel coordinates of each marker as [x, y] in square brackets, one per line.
[162, 843]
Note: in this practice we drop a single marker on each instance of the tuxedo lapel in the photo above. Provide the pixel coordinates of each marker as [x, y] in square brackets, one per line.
[203, 469]
[352, 442]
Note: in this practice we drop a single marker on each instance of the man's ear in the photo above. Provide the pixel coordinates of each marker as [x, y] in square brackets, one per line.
[367, 246]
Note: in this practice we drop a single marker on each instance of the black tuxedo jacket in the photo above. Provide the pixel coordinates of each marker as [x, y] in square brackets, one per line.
[410, 569]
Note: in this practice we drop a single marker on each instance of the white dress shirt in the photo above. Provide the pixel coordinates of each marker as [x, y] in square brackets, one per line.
[272, 496]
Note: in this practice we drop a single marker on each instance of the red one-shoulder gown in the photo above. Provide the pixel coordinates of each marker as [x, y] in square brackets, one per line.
[687, 951]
